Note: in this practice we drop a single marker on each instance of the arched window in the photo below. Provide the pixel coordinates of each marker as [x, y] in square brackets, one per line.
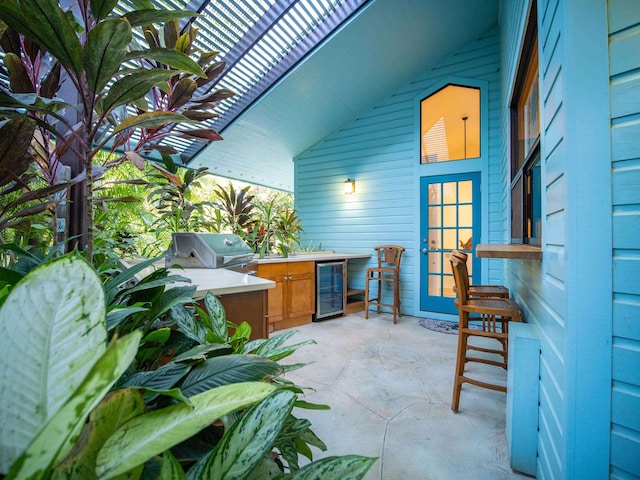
[450, 124]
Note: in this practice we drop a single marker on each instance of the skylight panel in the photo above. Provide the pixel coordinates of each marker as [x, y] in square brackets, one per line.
[261, 40]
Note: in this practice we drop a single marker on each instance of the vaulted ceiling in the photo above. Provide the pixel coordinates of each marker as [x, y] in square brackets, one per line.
[383, 45]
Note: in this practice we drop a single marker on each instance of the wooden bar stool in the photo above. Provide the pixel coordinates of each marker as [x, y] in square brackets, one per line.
[388, 270]
[493, 316]
[482, 290]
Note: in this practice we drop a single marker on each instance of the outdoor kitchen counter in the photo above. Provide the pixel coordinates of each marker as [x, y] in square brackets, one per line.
[293, 301]
[220, 281]
[312, 257]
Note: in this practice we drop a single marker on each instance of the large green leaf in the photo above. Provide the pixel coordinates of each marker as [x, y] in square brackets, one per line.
[102, 8]
[227, 369]
[148, 16]
[54, 441]
[10, 14]
[162, 378]
[113, 411]
[115, 285]
[104, 52]
[51, 29]
[171, 468]
[169, 57]
[151, 120]
[15, 138]
[51, 84]
[20, 81]
[272, 348]
[32, 102]
[52, 331]
[217, 316]
[188, 323]
[245, 444]
[134, 86]
[348, 467]
[152, 433]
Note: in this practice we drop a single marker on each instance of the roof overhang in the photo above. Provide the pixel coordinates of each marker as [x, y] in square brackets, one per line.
[385, 45]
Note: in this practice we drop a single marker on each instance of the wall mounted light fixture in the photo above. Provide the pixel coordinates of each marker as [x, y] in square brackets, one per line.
[349, 186]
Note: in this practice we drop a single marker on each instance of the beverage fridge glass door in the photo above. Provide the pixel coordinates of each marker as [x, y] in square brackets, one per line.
[330, 289]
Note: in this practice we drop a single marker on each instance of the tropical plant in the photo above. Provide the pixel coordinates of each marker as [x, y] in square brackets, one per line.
[287, 231]
[125, 94]
[236, 207]
[215, 407]
[172, 197]
[275, 227]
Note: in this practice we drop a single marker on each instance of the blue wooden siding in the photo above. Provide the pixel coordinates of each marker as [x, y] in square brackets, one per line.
[379, 150]
[567, 296]
[624, 70]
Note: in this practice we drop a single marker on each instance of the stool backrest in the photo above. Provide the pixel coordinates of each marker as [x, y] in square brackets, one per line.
[460, 277]
[389, 256]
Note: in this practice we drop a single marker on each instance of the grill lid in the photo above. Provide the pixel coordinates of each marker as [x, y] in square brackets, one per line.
[208, 250]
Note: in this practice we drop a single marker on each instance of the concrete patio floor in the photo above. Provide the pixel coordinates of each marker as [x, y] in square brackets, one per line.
[389, 389]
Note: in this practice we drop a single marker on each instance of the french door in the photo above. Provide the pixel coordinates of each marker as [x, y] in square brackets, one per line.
[449, 220]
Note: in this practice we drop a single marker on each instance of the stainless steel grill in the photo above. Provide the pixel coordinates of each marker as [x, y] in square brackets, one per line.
[210, 250]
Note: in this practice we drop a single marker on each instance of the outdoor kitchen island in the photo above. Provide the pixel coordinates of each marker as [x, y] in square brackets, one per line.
[243, 296]
[293, 301]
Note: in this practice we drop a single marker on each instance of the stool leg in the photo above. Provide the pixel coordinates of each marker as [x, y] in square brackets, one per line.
[460, 361]
[366, 298]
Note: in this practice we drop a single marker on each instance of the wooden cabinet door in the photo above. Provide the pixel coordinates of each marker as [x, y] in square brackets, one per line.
[301, 295]
[276, 305]
[301, 289]
[277, 273]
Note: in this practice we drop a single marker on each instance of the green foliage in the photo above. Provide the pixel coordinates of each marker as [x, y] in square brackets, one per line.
[203, 409]
[275, 227]
[172, 194]
[168, 410]
[236, 207]
[130, 92]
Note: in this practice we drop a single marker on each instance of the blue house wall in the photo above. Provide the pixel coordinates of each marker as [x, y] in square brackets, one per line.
[624, 71]
[379, 150]
[583, 297]
[567, 295]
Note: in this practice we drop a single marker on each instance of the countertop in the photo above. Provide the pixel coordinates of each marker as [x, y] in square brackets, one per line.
[220, 281]
[312, 257]
[498, 250]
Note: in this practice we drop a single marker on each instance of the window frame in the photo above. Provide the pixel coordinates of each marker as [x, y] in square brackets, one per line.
[526, 221]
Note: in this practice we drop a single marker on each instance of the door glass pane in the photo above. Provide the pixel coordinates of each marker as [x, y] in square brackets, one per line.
[450, 239]
[465, 240]
[465, 215]
[434, 240]
[450, 216]
[450, 194]
[434, 286]
[435, 261]
[434, 193]
[447, 288]
[434, 216]
[465, 192]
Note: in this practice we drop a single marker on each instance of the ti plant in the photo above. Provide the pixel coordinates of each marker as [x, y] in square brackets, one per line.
[236, 207]
[80, 82]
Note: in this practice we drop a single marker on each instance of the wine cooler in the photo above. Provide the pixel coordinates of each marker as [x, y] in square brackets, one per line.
[330, 289]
